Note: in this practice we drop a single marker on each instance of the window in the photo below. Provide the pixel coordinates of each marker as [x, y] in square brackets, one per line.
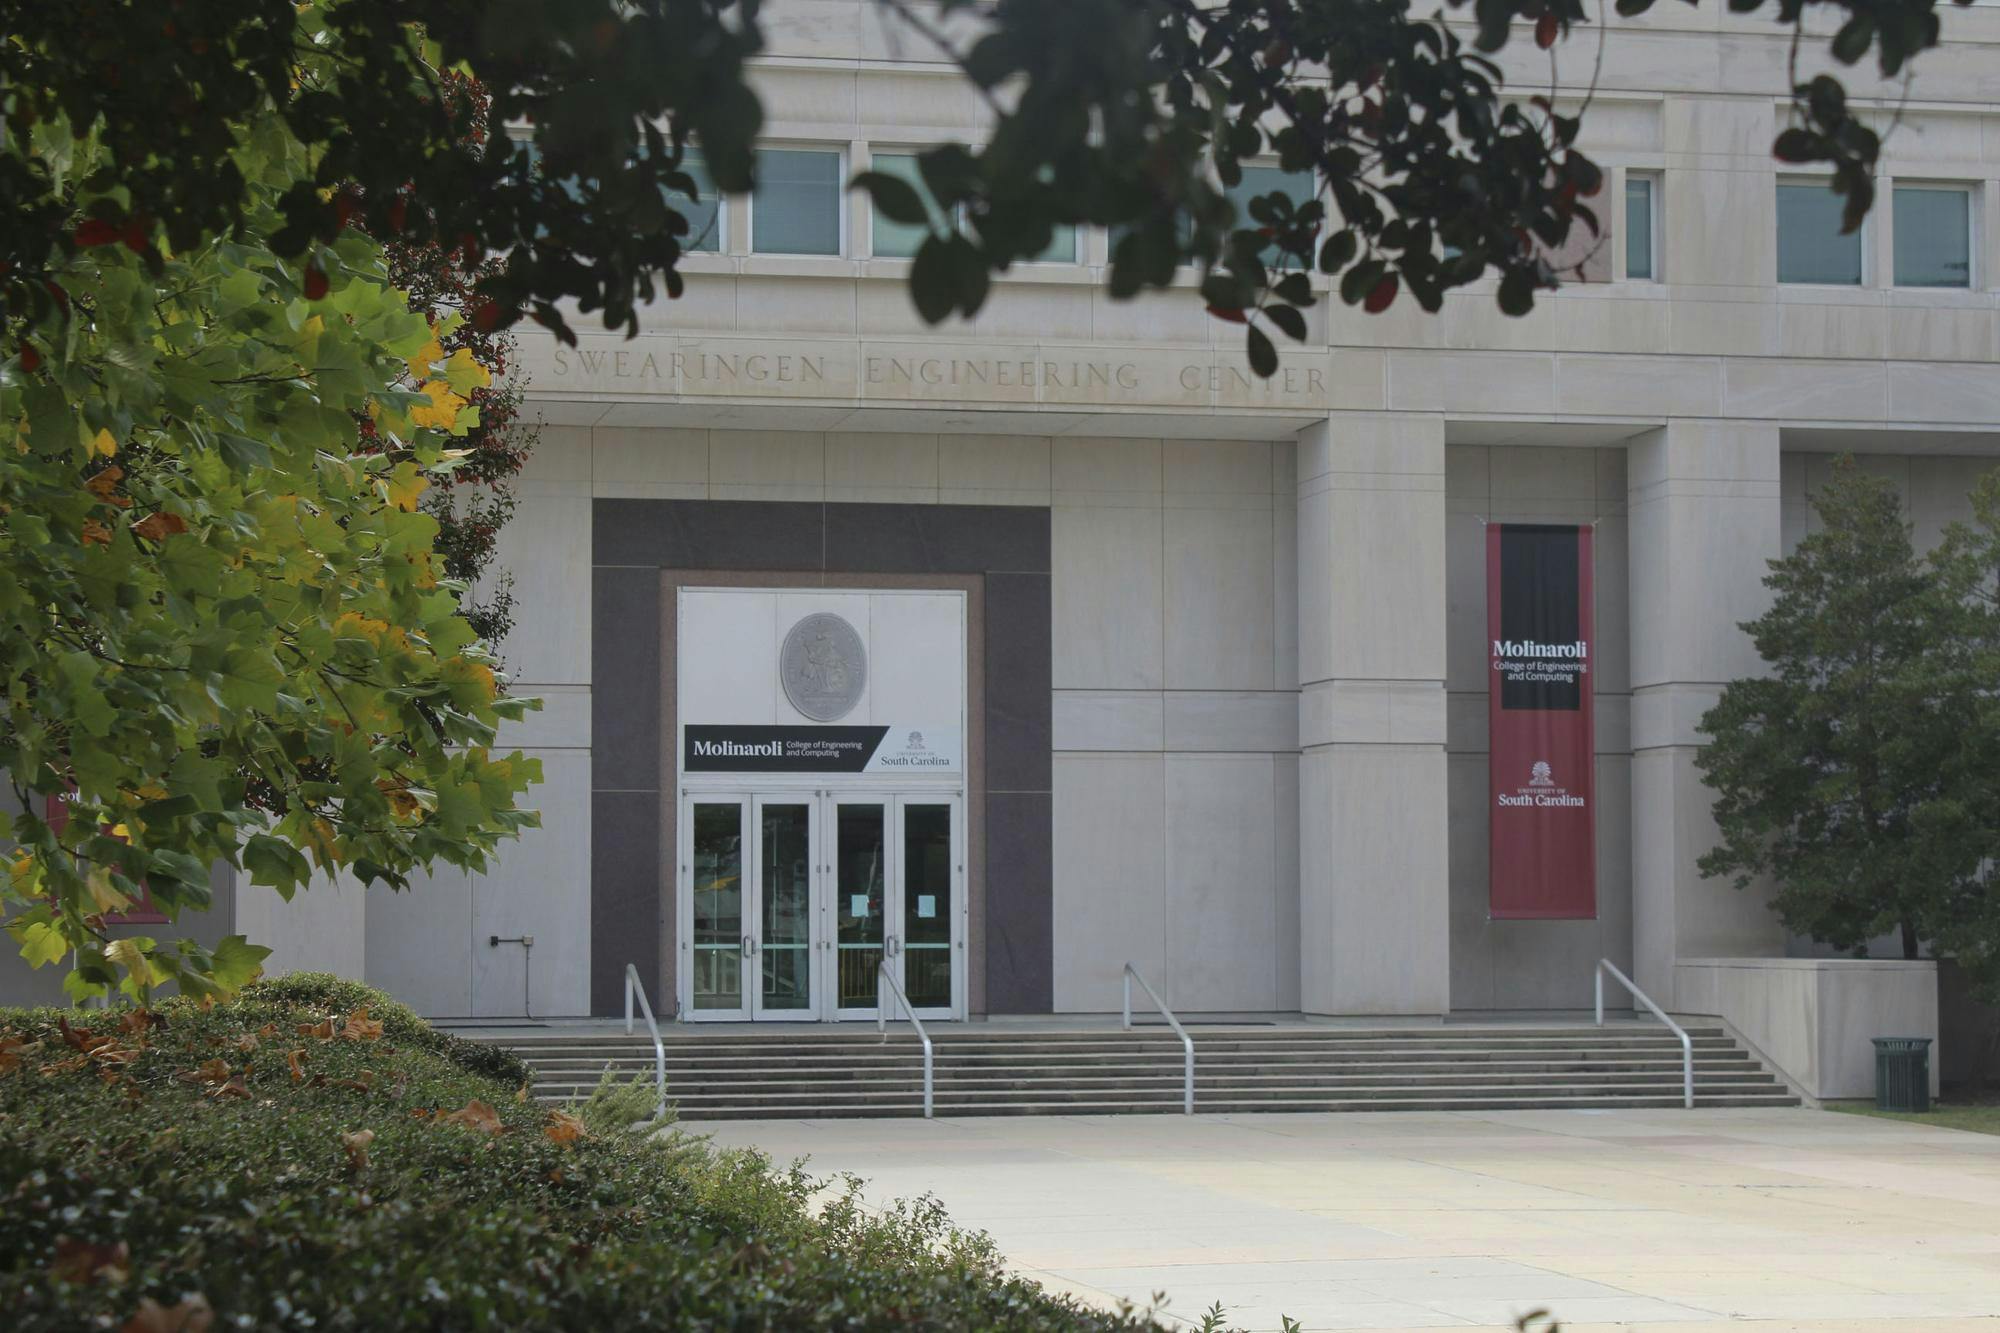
[1933, 236]
[1811, 247]
[1642, 198]
[900, 240]
[1260, 181]
[704, 212]
[796, 207]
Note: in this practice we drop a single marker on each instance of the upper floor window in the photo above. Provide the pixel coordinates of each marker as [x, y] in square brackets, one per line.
[795, 209]
[900, 240]
[1933, 241]
[704, 212]
[1299, 186]
[1642, 216]
[1811, 246]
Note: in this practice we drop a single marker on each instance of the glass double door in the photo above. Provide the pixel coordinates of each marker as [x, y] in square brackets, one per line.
[791, 902]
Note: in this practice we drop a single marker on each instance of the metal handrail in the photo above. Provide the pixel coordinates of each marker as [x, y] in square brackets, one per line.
[882, 978]
[633, 986]
[1687, 1044]
[1187, 1042]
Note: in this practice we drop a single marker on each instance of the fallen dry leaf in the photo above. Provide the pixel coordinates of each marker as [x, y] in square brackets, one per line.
[246, 1043]
[356, 1145]
[235, 1087]
[208, 1071]
[135, 1022]
[322, 1029]
[11, 1047]
[362, 1082]
[563, 1127]
[190, 1315]
[82, 1039]
[268, 1031]
[295, 1060]
[82, 1261]
[475, 1115]
[360, 1027]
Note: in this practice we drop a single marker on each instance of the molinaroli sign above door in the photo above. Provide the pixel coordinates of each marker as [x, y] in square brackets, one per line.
[910, 750]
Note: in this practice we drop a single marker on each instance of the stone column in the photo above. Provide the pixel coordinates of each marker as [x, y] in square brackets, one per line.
[1374, 933]
[1704, 522]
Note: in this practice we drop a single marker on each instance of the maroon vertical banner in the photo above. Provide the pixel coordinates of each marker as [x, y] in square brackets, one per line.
[1541, 774]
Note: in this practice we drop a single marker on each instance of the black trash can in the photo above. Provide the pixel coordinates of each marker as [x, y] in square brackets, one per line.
[1902, 1073]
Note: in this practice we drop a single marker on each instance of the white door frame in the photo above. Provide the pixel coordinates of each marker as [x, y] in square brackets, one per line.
[823, 800]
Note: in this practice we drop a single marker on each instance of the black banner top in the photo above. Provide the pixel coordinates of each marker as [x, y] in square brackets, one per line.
[733, 749]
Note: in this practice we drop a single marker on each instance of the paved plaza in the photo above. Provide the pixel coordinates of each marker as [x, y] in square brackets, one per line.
[1617, 1219]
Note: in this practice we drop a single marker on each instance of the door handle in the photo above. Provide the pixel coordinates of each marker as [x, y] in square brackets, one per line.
[749, 946]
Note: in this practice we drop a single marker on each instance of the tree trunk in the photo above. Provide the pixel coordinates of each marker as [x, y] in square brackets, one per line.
[1909, 941]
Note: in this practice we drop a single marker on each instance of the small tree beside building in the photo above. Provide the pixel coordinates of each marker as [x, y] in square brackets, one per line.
[1860, 771]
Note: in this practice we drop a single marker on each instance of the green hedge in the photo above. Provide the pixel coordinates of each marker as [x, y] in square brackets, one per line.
[143, 1173]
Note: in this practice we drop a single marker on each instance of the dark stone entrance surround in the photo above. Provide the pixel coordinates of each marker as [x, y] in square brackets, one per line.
[632, 780]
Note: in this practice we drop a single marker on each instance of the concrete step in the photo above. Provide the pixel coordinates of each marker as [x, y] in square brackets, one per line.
[731, 1074]
[911, 1107]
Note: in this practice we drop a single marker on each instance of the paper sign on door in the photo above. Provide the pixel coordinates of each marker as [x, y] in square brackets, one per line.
[857, 904]
[926, 905]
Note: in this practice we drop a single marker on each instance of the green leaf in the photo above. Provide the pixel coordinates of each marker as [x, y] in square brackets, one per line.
[894, 197]
[1289, 319]
[933, 286]
[1263, 356]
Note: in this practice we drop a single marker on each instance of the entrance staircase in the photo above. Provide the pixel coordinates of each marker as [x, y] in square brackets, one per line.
[736, 1073]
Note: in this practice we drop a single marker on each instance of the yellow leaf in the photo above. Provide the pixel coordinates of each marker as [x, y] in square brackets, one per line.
[420, 360]
[465, 374]
[105, 896]
[441, 413]
[102, 443]
[563, 1127]
[320, 841]
[404, 484]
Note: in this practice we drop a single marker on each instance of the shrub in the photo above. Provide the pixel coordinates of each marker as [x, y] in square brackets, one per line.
[287, 1163]
[338, 995]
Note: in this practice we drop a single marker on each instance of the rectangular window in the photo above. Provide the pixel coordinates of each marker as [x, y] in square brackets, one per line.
[1933, 236]
[1258, 181]
[1641, 228]
[899, 240]
[704, 213]
[1062, 246]
[1811, 247]
[795, 209]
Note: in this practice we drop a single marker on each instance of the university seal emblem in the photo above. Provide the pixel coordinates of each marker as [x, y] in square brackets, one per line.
[823, 667]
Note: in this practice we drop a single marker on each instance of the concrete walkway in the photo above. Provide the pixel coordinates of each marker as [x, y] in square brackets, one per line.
[1791, 1220]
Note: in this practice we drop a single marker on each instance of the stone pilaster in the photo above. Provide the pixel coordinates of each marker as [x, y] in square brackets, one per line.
[1374, 936]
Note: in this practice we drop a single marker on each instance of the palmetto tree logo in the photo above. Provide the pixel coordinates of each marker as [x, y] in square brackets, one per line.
[1538, 776]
